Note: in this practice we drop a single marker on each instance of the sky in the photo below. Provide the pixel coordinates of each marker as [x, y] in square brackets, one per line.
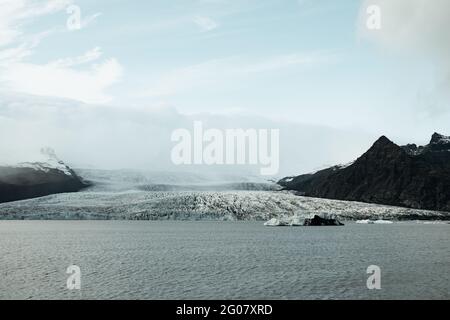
[309, 67]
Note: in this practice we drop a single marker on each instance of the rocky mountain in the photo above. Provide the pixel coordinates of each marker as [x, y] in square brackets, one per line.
[48, 175]
[409, 176]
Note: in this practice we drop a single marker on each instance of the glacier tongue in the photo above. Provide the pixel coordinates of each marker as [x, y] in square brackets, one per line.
[199, 205]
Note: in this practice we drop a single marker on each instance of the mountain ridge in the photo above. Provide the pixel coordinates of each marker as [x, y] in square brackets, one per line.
[389, 174]
[48, 175]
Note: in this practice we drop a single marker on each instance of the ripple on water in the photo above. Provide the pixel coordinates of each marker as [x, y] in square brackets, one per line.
[221, 260]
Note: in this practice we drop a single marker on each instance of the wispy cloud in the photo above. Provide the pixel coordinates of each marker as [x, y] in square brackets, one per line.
[218, 71]
[112, 138]
[289, 60]
[90, 19]
[205, 23]
[89, 56]
[15, 13]
[416, 29]
[61, 77]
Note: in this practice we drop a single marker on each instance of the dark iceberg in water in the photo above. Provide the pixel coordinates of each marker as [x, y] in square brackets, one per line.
[312, 220]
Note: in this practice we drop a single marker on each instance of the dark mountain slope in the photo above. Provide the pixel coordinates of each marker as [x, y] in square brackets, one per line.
[409, 176]
[31, 180]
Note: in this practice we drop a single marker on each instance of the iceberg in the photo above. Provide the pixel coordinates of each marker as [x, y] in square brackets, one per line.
[285, 221]
[365, 221]
[383, 222]
[434, 222]
[323, 219]
[296, 221]
[380, 221]
[274, 222]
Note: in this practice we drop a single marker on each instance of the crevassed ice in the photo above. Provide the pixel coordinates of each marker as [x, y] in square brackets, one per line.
[199, 205]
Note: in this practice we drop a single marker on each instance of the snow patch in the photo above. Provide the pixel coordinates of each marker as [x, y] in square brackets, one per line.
[46, 161]
[345, 165]
[442, 140]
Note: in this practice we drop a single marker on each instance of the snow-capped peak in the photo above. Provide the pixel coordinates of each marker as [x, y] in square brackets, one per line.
[439, 139]
[344, 165]
[46, 161]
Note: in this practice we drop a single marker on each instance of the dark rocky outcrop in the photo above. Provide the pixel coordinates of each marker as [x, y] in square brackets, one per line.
[319, 221]
[408, 176]
[34, 180]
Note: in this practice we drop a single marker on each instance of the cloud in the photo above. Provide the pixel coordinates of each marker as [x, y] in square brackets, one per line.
[15, 13]
[285, 61]
[90, 19]
[205, 23]
[219, 71]
[15, 54]
[60, 79]
[71, 77]
[413, 28]
[410, 24]
[107, 137]
[89, 56]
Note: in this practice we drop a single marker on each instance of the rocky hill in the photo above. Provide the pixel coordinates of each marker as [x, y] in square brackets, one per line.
[409, 176]
[47, 176]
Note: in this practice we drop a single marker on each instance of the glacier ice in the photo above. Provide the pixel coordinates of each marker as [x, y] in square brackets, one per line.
[199, 205]
[129, 195]
[381, 221]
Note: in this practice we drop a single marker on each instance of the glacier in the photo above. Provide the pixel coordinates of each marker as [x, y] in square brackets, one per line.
[199, 205]
[132, 195]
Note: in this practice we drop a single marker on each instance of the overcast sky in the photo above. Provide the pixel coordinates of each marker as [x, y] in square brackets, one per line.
[305, 64]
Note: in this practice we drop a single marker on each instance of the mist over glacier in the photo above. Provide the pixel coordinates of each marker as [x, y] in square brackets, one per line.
[127, 137]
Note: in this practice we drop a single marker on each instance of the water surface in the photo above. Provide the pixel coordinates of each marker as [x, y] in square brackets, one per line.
[221, 260]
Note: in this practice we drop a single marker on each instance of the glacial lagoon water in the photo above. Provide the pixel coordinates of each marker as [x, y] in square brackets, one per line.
[222, 260]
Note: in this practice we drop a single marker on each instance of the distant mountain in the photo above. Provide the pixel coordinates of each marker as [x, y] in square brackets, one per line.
[410, 176]
[48, 175]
